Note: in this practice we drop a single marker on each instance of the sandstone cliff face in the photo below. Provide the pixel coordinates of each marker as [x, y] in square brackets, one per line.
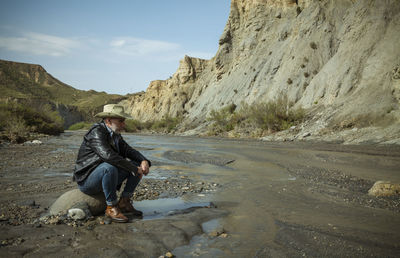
[338, 59]
[171, 97]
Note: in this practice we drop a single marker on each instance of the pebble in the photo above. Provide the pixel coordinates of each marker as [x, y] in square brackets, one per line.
[34, 142]
[169, 255]
[76, 214]
[151, 189]
[54, 220]
[224, 235]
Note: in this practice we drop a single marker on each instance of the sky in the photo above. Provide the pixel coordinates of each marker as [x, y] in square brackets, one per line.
[112, 46]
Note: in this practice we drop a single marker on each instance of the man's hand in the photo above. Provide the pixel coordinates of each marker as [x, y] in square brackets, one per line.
[139, 172]
[145, 167]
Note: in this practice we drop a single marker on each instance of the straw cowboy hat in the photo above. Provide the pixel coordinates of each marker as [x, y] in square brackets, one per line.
[113, 110]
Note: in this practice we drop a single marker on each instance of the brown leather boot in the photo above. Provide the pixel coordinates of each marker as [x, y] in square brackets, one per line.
[126, 206]
[115, 214]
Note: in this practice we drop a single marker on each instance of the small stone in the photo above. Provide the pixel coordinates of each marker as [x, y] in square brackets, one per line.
[169, 255]
[224, 235]
[36, 142]
[76, 214]
[54, 220]
[384, 188]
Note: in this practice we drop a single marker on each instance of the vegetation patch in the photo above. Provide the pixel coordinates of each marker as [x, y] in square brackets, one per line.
[18, 122]
[255, 120]
[80, 126]
[167, 124]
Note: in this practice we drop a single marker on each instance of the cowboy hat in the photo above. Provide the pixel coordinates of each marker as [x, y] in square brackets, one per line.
[113, 110]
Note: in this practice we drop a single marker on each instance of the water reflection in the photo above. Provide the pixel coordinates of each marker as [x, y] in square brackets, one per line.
[154, 209]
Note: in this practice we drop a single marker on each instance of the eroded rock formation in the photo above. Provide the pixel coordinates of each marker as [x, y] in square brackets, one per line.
[338, 59]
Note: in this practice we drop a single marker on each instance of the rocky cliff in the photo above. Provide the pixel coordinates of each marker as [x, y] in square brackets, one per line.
[340, 60]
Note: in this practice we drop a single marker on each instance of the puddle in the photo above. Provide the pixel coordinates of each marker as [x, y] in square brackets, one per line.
[155, 209]
[164, 171]
[58, 174]
[212, 227]
[199, 247]
[286, 179]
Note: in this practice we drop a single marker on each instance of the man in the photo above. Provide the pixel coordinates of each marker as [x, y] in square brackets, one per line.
[102, 163]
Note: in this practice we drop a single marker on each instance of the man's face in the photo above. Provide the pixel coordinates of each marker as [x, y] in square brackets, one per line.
[116, 124]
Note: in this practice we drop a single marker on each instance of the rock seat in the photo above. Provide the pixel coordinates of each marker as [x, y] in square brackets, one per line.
[68, 200]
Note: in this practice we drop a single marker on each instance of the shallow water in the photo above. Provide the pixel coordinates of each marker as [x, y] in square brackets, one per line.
[275, 211]
[160, 208]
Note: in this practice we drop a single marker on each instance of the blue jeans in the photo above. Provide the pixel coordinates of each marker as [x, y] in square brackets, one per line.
[107, 178]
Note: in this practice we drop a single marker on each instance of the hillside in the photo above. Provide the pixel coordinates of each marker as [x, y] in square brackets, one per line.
[339, 60]
[31, 85]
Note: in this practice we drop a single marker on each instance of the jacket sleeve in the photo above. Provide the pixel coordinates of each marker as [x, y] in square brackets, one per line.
[131, 153]
[98, 142]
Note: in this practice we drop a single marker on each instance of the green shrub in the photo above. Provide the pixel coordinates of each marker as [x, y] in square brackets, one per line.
[166, 124]
[16, 130]
[80, 126]
[259, 117]
[223, 120]
[273, 116]
[18, 120]
[132, 125]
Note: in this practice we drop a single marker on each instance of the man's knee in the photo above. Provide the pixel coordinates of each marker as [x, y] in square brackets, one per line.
[110, 169]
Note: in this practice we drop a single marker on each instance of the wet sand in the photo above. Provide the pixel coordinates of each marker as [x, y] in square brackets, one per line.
[226, 198]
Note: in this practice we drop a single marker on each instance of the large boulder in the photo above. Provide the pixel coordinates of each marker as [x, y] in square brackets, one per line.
[384, 188]
[96, 203]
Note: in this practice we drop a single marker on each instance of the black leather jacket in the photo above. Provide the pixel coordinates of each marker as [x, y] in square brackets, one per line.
[98, 147]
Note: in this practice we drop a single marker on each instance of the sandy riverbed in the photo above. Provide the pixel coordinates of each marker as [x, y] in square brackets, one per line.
[218, 198]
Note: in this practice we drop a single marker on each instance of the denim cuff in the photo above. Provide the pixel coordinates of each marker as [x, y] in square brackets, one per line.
[112, 203]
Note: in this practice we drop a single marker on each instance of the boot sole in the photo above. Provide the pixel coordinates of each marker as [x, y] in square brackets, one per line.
[132, 213]
[118, 220]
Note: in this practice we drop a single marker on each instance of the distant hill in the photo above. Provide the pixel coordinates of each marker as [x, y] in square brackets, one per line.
[31, 85]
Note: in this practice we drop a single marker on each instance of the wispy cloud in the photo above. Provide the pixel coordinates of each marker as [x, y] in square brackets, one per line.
[141, 47]
[39, 44]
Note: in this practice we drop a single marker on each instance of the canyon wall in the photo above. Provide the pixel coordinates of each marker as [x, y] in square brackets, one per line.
[339, 59]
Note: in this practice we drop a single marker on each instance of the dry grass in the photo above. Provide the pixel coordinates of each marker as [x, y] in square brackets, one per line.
[256, 119]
